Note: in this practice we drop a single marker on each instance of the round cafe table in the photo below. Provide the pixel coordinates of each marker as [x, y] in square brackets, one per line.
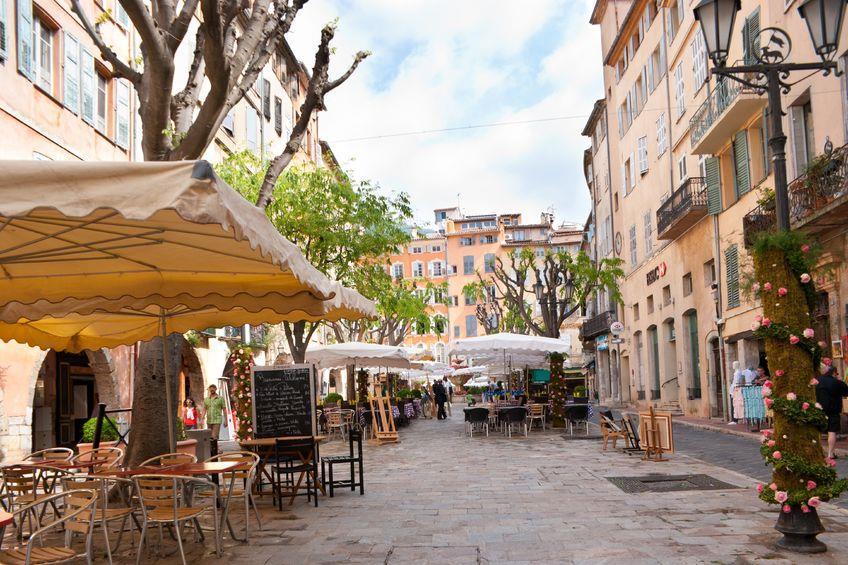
[5, 520]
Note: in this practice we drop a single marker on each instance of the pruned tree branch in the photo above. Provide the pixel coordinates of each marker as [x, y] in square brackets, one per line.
[119, 67]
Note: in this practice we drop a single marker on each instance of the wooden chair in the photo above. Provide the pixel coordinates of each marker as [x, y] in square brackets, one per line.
[78, 518]
[99, 459]
[239, 483]
[51, 454]
[106, 513]
[294, 457]
[335, 422]
[536, 413]
[611, 431]
[164, 500]
[354, 459]
[169, 459]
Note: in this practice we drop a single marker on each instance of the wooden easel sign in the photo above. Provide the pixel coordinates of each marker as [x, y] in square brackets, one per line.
[656, 434]
[382, 421]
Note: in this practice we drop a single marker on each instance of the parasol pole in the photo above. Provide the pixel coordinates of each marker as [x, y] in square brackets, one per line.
[172, 444]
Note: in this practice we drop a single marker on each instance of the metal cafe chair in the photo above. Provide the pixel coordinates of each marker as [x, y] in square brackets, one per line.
[164, 500]
[516, 415]
[169, 459]
[78, 518]
[50, 454]
[476, 417]
[239, 483]
[21, 486]
[537, 413]
[100, 458]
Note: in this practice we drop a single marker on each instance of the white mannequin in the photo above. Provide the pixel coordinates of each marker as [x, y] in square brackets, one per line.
[738, 380]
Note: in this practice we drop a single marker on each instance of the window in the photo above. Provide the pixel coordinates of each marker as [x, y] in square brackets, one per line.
[679, 93]
[649, 244]
[687, 284]
[699, 60]
[662, 138]
[456, 331]
[709, 273]
[642, 146]
[229, 123]
[416, 249]
[468, 265]
[675, 17]
[518, 235]
[266, 98]
[489, 262]
[278, 115]
[487, 239]
[636, 312]
[251, 129]
[42, 38]
[470, 325]
[802, 136]
[453, 301]
[417, 269]
[627, 180]
[666, 295]
[4, 32]
[88, 87]
[682, 174]
[122, 114]
[71, 74]
[437, 248]
[731, 261]
[102, 103]
[397, 270]
[436, 269]
[633, 252]
[466, 241]
[469, 299]
[650, 304]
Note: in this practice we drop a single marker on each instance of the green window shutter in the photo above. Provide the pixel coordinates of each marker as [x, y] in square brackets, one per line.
[740, 159]
[71, 72]
[88, 83]
[731, 260]
[713, 180]
[26, 56]
[4, 32]
[751, 38]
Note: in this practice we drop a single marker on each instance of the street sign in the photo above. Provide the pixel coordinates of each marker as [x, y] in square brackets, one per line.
[616, 328]
[616, 341]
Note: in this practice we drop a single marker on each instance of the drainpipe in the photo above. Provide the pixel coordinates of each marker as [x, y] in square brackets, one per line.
[612, 234]
[722, 366]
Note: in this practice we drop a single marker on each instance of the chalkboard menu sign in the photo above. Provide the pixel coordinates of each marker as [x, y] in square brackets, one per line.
[283, 401]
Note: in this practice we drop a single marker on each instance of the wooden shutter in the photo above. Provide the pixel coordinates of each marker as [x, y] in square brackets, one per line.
[751, 38]
[278, 115]
[713, 180]
[266, 98]
[740, 158]
[26, 55]
[651, 84]
[71, 73]
[88, 86]
[4, 33]
[122, 114]
[731, 267]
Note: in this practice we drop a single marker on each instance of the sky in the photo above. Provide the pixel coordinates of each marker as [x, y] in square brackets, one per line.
[439, 64]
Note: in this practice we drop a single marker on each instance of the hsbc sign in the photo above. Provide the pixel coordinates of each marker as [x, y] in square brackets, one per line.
[656, 273]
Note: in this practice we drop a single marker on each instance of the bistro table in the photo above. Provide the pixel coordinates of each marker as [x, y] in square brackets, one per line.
[264, 447]
[5, 520]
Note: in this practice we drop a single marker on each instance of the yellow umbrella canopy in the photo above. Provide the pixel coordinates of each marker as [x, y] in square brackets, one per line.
[128, 231]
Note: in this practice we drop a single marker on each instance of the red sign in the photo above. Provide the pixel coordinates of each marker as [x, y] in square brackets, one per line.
[656, 273]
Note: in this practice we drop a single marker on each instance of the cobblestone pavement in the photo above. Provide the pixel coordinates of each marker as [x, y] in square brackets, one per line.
[438, 497]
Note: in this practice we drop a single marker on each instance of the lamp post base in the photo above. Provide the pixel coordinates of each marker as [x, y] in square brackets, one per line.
[799, 531]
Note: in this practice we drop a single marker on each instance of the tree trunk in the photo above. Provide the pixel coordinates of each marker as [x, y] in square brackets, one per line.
[350, 383]
[149, 428]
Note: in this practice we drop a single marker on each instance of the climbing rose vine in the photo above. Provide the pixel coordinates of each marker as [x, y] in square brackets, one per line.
[242, 360]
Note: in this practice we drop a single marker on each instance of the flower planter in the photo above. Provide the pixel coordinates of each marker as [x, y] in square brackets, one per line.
[799, 531]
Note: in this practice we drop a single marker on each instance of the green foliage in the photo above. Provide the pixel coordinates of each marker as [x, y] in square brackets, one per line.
[475, 389]
[193, 338]
[181, 431]
[108, 431]
[792, 244]
[580, 391]
[404, 394]
[557, 389]
[333, 398]
[794, 411]
[417, 394]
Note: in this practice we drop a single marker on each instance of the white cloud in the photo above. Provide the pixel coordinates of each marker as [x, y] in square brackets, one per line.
[442, 64]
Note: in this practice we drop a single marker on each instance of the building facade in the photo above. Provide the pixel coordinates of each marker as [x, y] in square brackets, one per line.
[689, 184]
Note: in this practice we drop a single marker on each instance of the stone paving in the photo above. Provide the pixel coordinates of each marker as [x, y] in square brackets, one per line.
[438, 497]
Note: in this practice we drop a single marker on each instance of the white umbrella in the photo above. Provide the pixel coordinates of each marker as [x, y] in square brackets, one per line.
[508, 343]
[476, 370]
[357, 353]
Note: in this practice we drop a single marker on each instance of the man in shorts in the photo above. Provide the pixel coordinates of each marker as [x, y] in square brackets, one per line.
[214, 412]
[829, 393]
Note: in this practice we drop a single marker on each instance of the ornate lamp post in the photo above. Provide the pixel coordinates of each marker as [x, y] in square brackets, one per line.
[789, 451]
[771, 72]
[551, 306]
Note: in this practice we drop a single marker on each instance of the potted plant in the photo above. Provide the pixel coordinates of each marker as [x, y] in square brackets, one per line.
[109, 436]
[766, 198]
[580, 391]
[332, 399]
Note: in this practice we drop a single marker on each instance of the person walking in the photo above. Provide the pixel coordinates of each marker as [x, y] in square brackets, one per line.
[214, 412]
[829, 393]
[189, 414]
[441, 397]
[448, 393]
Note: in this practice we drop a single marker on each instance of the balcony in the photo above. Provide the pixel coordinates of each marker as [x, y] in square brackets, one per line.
[818, 199]
[683, 209]
[722, 114]
[598, 325]
[758, 220]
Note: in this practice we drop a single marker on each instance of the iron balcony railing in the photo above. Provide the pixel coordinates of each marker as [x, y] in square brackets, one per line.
[719, 100]
[598, 325]
[691, 194]
[824, 182]
[760, 219]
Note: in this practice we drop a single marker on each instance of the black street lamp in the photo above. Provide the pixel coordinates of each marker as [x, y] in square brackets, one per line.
[771, 72]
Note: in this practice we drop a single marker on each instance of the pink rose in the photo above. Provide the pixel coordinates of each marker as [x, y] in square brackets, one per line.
[827, 361]
[787, 509]
[814, 501]
[768, 384]
[805, 248]
[791, 396]
[755, 326]
[805, 406]
[766, 391]
[771, 443]
[760, 488]
[805, 278]
[768, 402]
[830, 462]
[781, 496]
[773, 486]
[811, 485]
[817, 405]
[814, 381]
[766, 322]
[777, 455]
[755, 287]
[767, 286]
[779, 373]
[782, 291]
[804, 508]
[809, 333]
[767, 433]
[793, 339]
[758, 318]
